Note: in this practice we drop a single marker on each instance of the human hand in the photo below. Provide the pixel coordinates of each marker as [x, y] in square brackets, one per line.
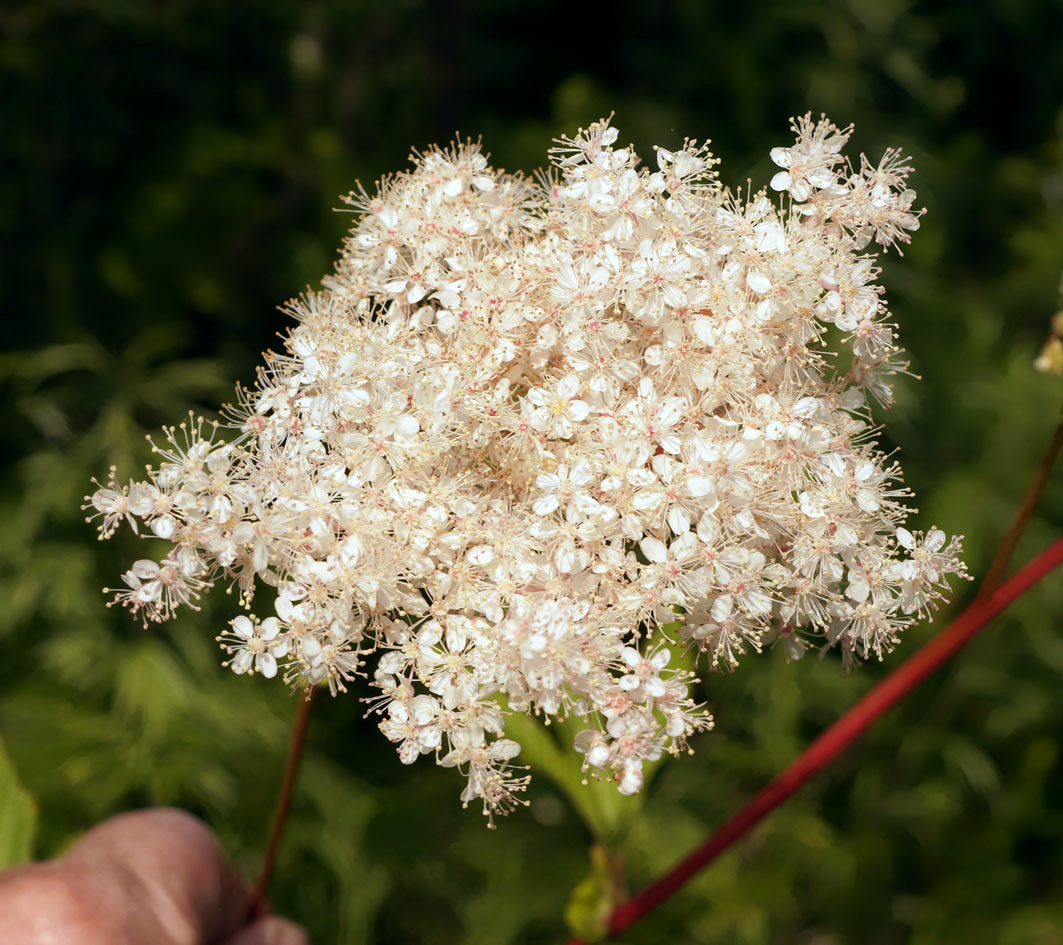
[151, 877]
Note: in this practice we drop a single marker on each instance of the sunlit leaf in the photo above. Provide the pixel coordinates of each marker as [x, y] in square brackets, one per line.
[18, 816]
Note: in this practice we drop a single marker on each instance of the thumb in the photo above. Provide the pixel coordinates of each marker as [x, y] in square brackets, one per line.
[168, 880]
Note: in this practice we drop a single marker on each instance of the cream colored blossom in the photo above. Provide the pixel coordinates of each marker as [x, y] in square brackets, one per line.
[525, 426]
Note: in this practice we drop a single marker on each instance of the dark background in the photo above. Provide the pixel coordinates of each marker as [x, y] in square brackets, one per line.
[168, 173]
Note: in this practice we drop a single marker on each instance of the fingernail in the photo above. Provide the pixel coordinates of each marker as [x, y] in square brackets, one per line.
[271, 930]
[282, 932]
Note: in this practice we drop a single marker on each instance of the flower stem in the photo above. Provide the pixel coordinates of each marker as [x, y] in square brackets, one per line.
[838, 737]
[284, 799]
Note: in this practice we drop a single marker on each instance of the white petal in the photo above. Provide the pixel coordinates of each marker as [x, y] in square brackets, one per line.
[568, 386]
[757, 603]
[679, 520]
[647, 499]
[685, 545]
[504, 749]
[578, 410]
[867, 501]
[821, 177]
[757, 281]
[407, 425]
[310, 648]
[285, 609]
[598, 756]
[654, 550]
[266, 665]
[770, 237]
[163, 527]
[782, 157]
[703, 329]
[481, 554]
[699, 486]
[630, 782]
[721, 608]
[858, 588]
[145, 569]
[545, 505]
[241, 662]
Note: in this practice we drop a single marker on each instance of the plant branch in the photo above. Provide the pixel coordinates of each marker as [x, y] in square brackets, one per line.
[284, 799]
[838, 737]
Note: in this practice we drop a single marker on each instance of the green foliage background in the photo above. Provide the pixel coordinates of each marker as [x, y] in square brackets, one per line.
[167, 177]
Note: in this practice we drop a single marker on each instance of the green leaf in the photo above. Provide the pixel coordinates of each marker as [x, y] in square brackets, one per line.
[587, 910]
[548, 750]
[18, 816]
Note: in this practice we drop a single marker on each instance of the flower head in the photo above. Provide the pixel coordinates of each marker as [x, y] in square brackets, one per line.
[525, 427]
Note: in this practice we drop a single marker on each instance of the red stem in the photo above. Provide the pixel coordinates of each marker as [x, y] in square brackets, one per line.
[838, 737]
[284, 800]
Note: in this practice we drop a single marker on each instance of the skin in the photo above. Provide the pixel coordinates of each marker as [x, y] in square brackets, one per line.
[154, 877]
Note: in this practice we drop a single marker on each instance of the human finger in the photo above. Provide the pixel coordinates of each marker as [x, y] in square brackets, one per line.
[165, 872]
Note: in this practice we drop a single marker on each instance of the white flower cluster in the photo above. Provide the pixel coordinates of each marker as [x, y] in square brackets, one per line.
[534, 439]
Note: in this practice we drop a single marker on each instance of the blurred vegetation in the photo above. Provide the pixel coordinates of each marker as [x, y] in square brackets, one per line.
[168, 173]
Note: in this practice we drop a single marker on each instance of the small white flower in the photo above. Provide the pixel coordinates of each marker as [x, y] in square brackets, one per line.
[557, 412]
[255, 647]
